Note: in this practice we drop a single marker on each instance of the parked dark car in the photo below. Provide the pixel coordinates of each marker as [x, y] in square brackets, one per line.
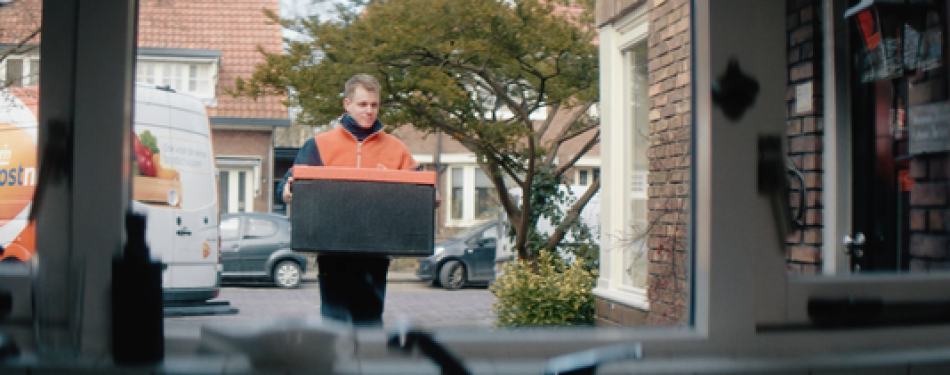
[256, 247]
[466, 259]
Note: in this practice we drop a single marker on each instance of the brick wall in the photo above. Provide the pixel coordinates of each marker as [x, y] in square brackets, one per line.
[929, 218]
[247, 143]
[805, 131]
[670, 120]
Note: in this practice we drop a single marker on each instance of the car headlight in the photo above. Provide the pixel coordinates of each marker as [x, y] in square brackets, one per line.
[438, 250]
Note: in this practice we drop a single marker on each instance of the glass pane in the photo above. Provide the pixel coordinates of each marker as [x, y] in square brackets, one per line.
[204, 80]
[900, 117]
[241, 192]
[224, 179]
[635, 254]
[192, 78]
[486, 200]
[149, 72]
[230, 228]
[458, 196]
[258, 228]
[34, 72]
[167, 79]
[14, 76]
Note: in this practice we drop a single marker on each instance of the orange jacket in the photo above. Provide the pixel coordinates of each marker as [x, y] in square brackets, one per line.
[339, 148]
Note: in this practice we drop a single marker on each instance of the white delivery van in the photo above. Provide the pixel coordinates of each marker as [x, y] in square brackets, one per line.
[173, 184]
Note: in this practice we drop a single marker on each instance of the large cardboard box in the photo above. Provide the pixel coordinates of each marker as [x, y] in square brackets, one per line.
[361, 211]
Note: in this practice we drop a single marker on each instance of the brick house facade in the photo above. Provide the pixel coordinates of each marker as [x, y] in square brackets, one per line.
[804, 131]
[865, 174]
[242, 128]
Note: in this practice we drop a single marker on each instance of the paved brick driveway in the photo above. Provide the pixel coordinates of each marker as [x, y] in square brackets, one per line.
[433, 308]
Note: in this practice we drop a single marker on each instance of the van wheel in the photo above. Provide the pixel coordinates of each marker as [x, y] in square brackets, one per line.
[287, 274]
[453, 275]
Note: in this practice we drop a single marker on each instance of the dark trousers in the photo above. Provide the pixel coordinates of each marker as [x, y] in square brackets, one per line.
[352, 289]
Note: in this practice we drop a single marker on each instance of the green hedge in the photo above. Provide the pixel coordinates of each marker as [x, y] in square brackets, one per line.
[545, 292]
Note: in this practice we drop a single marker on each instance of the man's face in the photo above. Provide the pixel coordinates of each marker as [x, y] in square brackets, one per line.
[363, 106]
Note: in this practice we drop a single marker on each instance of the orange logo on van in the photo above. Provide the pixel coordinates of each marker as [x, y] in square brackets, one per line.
[205, 250]
[18, 172]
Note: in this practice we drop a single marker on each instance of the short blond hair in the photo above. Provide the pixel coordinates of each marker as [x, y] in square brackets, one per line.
[368, 82]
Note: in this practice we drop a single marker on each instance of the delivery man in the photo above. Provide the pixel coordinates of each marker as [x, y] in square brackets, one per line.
[353, 288]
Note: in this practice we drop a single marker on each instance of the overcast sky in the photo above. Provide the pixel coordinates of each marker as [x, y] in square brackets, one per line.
[298, 8]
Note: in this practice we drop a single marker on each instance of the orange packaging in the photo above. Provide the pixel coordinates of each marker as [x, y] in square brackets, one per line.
[364, 174]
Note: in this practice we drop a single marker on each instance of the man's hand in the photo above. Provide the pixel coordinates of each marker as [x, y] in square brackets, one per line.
[287, 194]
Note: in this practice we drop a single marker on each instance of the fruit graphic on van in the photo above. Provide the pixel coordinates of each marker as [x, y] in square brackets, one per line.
[153, 182]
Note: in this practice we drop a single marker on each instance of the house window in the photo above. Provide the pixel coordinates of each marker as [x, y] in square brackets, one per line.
[145, 73]
[473, 196]
[236, 189]
[586, 176]
[486, 197]
[195, 78]
[625, 113]
[20, 71]
[224, 180]
[458, 185]
[14, 76]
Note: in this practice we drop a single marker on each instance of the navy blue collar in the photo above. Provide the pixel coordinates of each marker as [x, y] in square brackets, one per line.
[358, 132]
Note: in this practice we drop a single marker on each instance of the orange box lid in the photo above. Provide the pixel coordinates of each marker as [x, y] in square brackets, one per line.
[303, 172]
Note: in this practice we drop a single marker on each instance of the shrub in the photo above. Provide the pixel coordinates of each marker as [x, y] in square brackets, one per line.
[544, 292]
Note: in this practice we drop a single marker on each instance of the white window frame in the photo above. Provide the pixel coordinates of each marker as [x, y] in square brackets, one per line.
[468, 193]
[28, 78]
[617, 156]
[591, 171]
[251, 165]
[180, 81]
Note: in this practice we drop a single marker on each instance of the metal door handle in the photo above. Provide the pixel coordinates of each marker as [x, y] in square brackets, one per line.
[183, 232]
[852, 246]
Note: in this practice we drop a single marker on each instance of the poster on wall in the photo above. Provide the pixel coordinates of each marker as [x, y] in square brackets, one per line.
[929, 128]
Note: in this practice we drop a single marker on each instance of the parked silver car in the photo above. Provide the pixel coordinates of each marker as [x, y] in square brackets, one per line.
[256, 247]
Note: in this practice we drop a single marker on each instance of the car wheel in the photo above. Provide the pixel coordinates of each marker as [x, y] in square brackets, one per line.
[287, 274]
[453, 275]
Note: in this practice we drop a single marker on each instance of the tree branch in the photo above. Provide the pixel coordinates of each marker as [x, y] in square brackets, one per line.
[587, 146]
[549, 120]
[491, 170]
[472, 144]
[564, 136]
[572, 215]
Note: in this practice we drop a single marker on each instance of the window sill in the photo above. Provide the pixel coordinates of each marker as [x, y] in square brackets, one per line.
[930, 360]
[626, 296]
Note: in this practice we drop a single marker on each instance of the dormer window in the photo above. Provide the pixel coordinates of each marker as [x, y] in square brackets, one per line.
[190, 71]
